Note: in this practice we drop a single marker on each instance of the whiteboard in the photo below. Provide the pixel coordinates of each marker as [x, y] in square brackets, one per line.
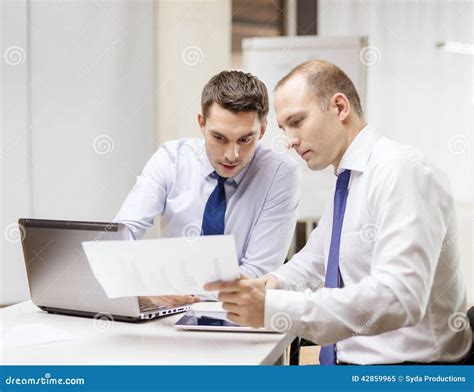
[270, 59]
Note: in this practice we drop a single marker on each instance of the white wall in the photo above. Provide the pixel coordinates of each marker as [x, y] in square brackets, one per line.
[15, 139]
[193, 44]
[90, 103]
[418, 94]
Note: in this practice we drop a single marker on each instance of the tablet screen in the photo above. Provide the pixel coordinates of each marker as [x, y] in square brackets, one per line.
[206, 319]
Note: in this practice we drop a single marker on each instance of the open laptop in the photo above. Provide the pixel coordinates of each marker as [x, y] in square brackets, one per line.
[60, 278]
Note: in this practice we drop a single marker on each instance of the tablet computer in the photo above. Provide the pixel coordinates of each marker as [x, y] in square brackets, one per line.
[212, 321]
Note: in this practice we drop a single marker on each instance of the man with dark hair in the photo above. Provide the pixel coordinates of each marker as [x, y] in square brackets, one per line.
[224, 184]
[379, 281]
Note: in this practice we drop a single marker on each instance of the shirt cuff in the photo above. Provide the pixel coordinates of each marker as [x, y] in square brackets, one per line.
[283, 310]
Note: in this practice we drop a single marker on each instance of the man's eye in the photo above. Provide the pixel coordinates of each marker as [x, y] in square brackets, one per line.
[246, 140]
[296, 123]
[219, 138]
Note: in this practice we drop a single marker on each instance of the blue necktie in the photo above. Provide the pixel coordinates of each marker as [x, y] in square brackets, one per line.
[328, 356]
[214, 213]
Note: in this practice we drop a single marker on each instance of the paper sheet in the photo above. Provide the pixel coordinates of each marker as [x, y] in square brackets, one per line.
[33, 334]
[166, 266]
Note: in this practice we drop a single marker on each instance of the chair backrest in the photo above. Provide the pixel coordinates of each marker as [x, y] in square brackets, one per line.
[470, 315]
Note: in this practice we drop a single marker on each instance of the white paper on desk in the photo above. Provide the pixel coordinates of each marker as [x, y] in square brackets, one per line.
[165, 266]
[33, 334]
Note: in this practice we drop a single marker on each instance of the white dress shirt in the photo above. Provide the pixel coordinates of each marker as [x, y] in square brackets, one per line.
[261, 200]
[399, 262]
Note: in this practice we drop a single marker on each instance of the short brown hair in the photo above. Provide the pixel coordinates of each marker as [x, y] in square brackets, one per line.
[235, 91]
[324, 80]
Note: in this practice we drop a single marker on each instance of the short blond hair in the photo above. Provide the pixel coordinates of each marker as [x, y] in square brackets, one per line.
[324, 80]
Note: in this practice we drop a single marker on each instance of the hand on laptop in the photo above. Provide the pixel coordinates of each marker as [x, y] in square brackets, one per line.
[170, 300]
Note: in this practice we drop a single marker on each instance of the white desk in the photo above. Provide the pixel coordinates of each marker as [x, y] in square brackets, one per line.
[154, 342]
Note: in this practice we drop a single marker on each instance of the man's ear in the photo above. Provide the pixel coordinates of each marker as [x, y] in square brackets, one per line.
[263, 128]
[341, 105]
[201, 122]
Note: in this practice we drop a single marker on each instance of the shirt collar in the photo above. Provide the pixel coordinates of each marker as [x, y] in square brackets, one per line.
[358, 153]
[208, 169]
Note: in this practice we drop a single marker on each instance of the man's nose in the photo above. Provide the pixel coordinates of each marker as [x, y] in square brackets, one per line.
[232, 152]
[294, 141]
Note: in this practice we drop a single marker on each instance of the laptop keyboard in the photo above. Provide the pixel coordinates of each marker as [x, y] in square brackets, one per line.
[147, 306]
